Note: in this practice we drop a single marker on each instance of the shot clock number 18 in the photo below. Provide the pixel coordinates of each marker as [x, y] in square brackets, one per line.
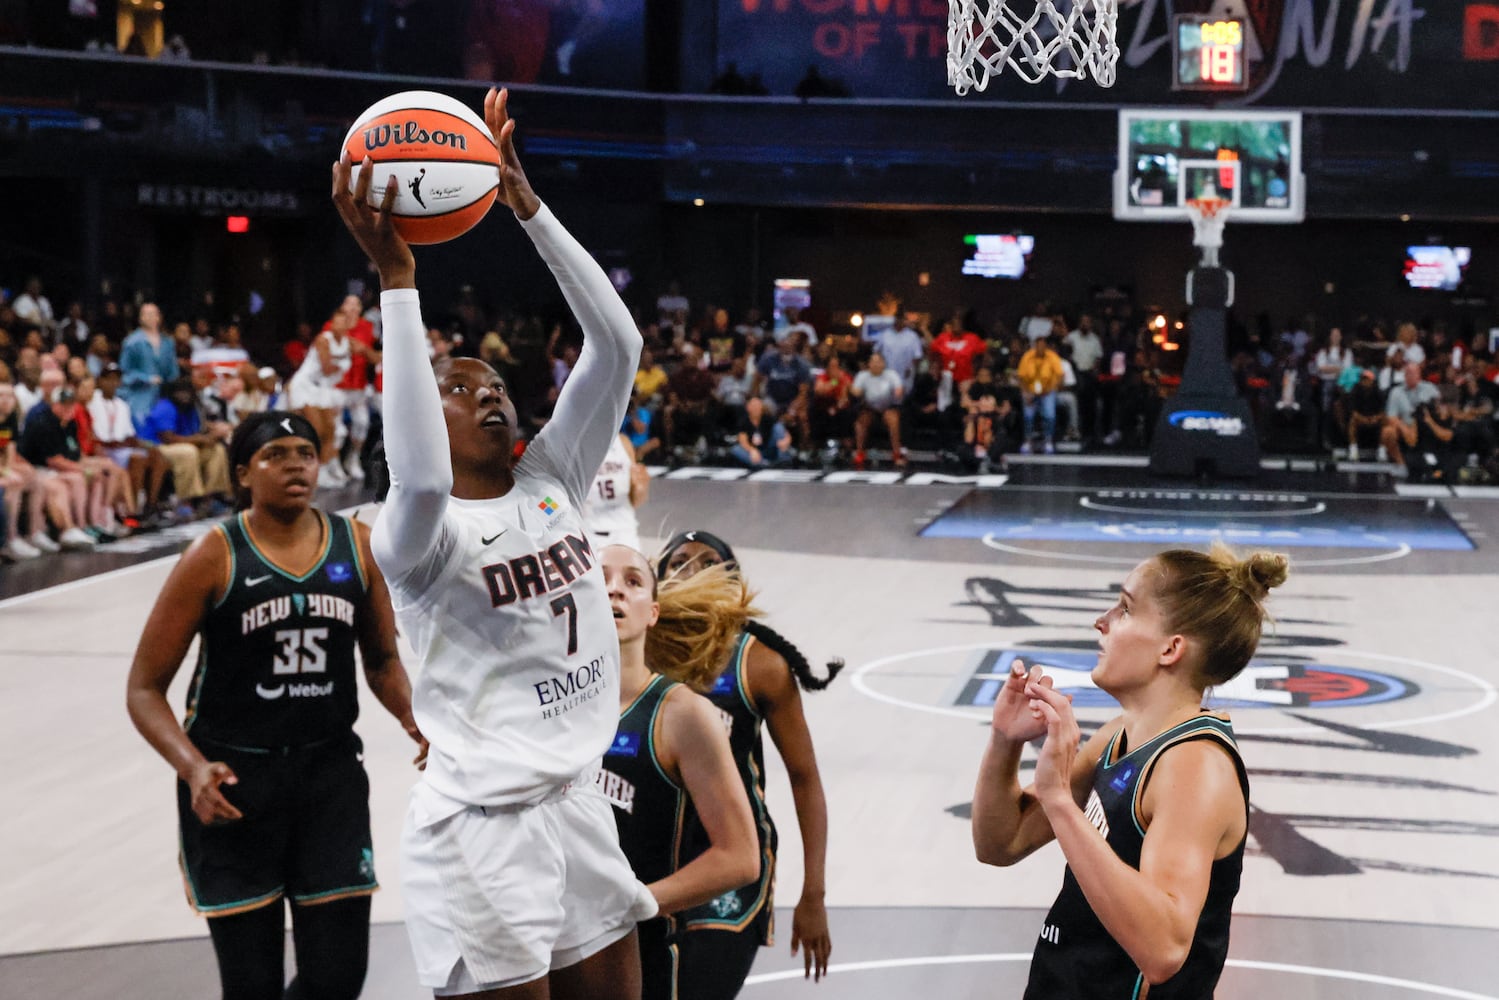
[1209, 53]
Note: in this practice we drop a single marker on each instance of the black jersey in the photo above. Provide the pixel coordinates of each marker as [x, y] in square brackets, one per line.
[654, 815]
[737, 909]
[1076, 957]
[276, 654]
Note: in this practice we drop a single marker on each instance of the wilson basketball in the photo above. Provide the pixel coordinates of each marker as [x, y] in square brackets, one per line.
[446, 164]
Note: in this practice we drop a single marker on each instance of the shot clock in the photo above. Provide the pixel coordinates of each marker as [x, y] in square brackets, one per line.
[1209, 53]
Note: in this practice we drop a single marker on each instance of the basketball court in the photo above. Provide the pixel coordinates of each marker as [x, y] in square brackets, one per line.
[1367, 722]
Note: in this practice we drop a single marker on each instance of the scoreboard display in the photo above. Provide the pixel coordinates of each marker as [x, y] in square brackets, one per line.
[1209, 53]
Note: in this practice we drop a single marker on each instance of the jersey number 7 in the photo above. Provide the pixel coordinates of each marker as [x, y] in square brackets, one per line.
[566, 605]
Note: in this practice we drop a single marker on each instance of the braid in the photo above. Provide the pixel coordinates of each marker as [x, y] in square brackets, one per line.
[795, 659]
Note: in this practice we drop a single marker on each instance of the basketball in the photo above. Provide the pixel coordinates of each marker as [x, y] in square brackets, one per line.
[444, 160]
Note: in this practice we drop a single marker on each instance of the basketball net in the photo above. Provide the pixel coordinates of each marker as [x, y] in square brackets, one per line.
[985, 36]
[1209, 216]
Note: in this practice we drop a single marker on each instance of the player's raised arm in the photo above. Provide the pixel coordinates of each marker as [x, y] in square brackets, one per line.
[416, 437]
[592, 405]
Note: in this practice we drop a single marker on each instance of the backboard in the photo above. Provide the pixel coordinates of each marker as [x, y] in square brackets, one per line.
[1250, 158]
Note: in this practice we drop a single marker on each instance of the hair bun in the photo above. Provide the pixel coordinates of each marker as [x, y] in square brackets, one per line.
[1258, 573]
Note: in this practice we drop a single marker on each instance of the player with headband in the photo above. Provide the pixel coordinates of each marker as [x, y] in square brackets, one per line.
[512, 874]
[273, 801]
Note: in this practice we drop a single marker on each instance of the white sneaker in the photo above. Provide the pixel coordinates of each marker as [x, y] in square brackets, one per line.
[18, 549]
[74, 538]
[353, 470]
[43, 542]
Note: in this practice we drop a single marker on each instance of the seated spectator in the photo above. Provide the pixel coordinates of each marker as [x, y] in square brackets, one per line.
[114, 431]
[1407, 347]
[74, 329]
[721, 343]
[990, 431]
[640, 428]
[1433, 455]
[1366, 409]
[832, 413]
[28, 382]
[785, 386]
[200, 463]
[879, 392]
[34, 310]
[733, 390]
[49, 441]
[688, 414]
[22, 487]
[114, 507]
[795, 325]
[1040, 375]
[1401, 428]
[762, 440]
[99, 355]
[650, 378]
[1473, 411]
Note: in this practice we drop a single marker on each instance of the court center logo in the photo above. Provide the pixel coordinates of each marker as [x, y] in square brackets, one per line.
[1266, 683]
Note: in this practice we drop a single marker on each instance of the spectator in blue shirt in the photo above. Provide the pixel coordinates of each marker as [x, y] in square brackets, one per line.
[149, 361]
[200, 464]
[786, 386]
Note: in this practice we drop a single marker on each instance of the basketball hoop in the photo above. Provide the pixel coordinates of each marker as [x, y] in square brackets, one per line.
[984, 36]
[1209, 216]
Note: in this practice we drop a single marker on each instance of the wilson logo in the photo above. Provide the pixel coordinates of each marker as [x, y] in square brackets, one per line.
[410, 134]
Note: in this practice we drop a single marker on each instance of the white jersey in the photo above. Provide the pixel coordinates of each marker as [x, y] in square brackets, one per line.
[607, 513]
[311, 372]
[503, 599]
[518, 690]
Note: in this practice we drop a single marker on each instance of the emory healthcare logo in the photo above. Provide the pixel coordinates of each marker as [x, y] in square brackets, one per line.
[1265, 683]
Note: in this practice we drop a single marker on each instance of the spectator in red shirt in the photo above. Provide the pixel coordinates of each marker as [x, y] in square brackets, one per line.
[957, 349]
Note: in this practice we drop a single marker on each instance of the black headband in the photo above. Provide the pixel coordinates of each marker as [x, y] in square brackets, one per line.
[254, 436]
[681, 538]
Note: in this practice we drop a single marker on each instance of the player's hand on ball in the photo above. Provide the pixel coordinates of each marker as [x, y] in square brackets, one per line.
[1014, 718]
[515, 190]
[373, 229]
[209, 804]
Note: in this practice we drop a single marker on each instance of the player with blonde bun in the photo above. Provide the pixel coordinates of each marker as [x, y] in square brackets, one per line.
[684, 819]
[1152, 812]
[511, 871]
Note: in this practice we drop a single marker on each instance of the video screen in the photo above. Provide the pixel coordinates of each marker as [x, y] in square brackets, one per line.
[1436, 268]
[998, 255]
[790, 293]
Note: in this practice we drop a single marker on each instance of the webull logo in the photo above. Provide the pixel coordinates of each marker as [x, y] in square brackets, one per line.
[1220, 424]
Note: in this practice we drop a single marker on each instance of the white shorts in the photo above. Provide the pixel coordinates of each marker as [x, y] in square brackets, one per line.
[500, 896]
[305, 392]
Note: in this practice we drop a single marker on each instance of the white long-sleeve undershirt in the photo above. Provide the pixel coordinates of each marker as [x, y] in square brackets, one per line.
[571, 447]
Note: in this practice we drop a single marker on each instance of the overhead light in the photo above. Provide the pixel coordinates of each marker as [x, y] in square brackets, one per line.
[698, 202]
[857, 319]
[1404, 217]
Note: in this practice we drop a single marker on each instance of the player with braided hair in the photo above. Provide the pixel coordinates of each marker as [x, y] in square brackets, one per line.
[760, 684]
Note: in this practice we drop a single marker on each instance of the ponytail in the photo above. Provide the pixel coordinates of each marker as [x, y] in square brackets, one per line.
[701, 619]
[795, 659]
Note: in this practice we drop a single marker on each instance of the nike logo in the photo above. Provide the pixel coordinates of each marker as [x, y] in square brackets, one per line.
[255, 581]
[270, 694]
[491, 538]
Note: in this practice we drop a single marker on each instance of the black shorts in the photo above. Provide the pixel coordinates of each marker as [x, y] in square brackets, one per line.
[713, 962]
[658, 959]
[305, 831]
